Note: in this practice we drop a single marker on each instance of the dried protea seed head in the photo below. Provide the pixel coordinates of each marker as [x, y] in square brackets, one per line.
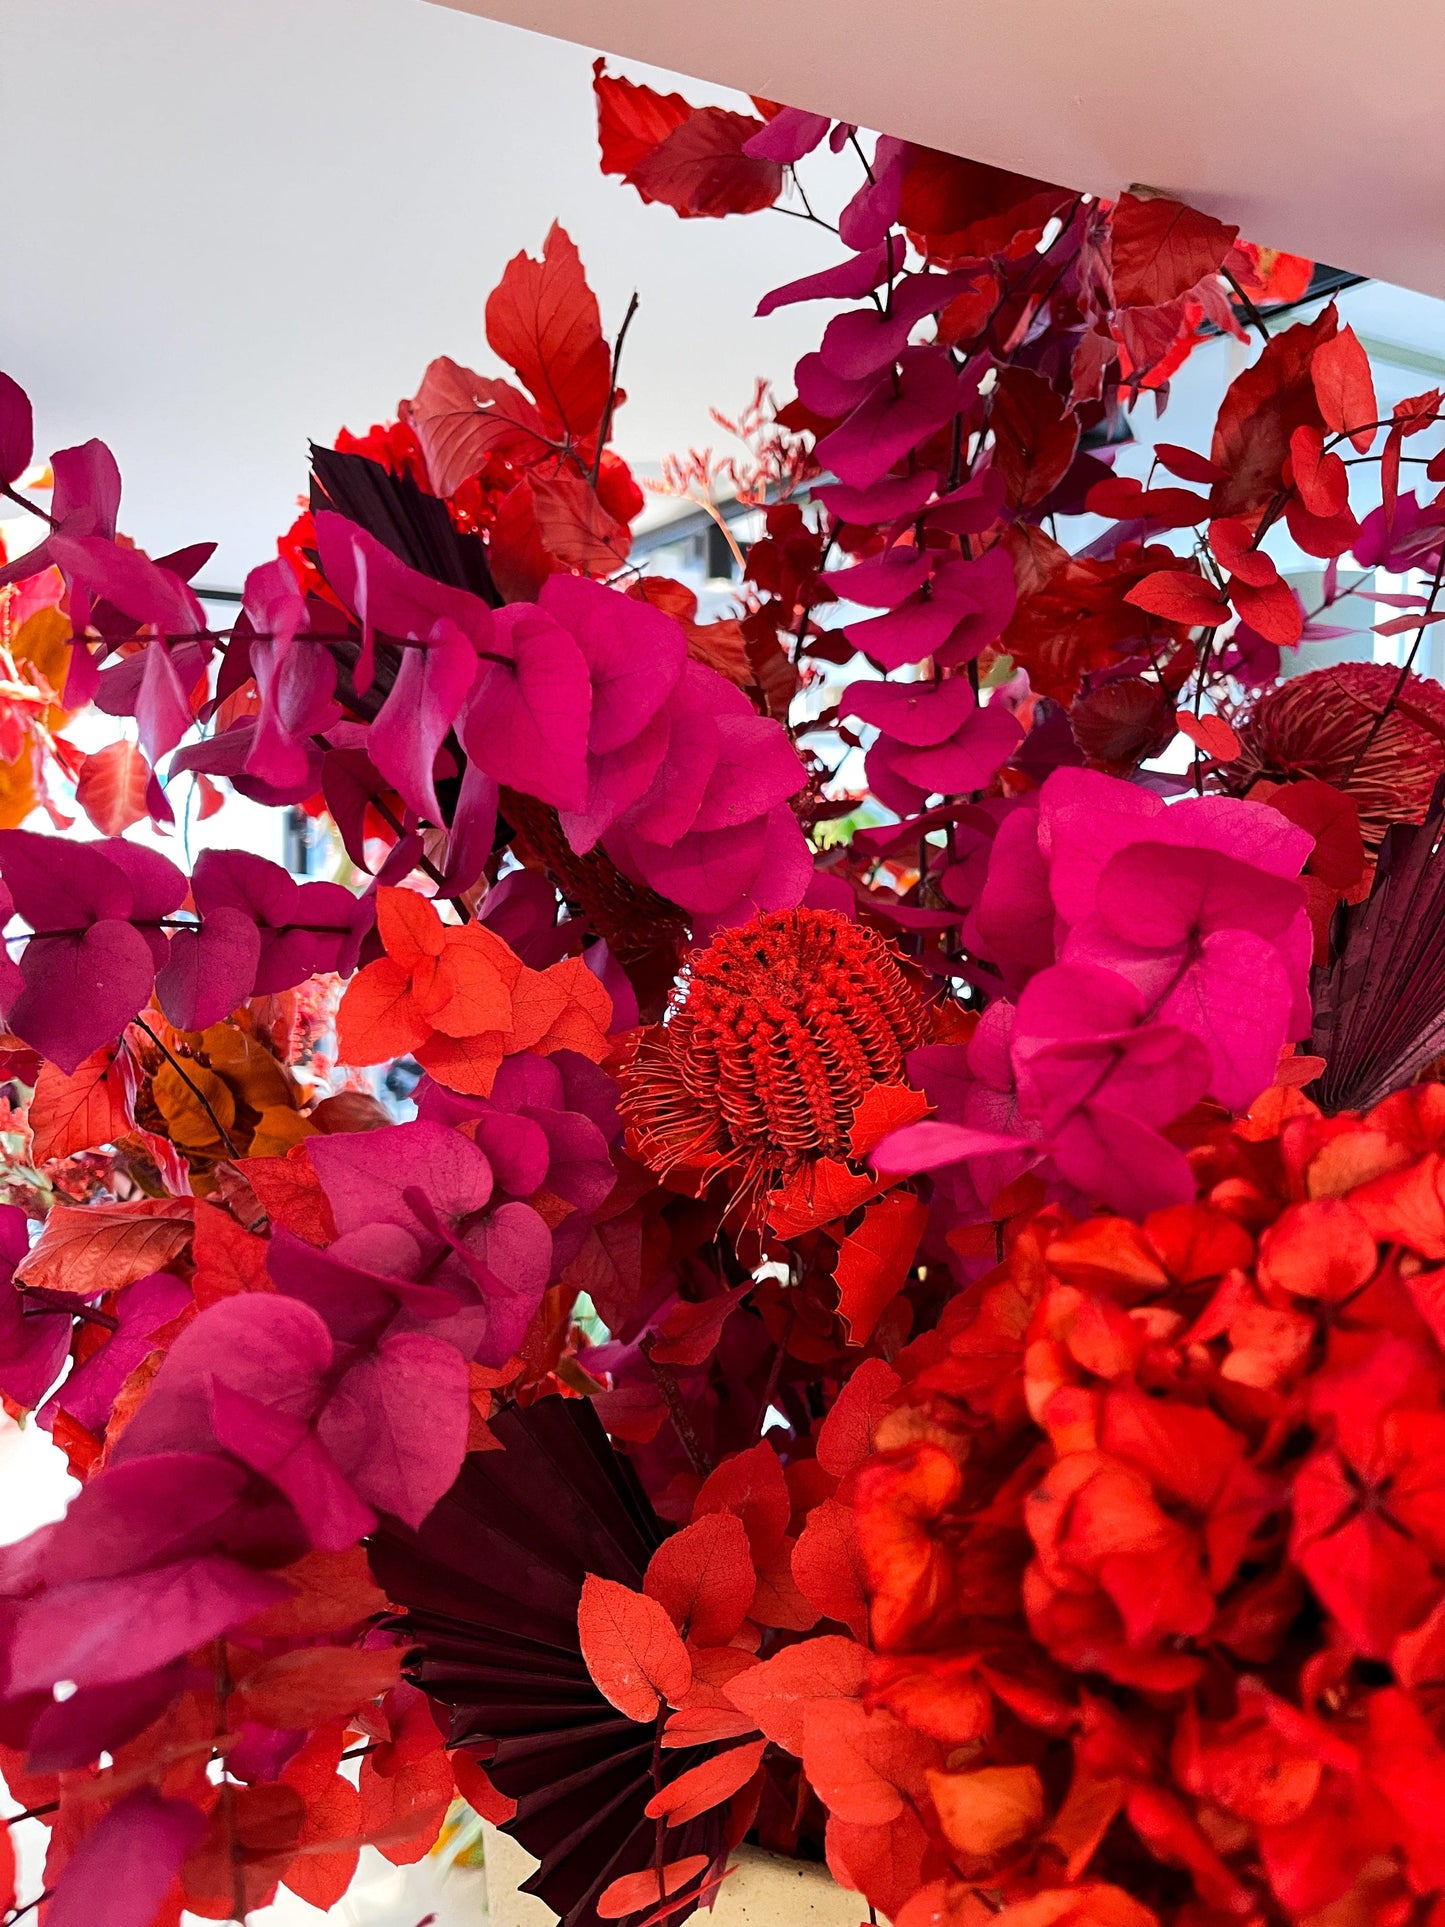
[1356, 726]
[776, 1033]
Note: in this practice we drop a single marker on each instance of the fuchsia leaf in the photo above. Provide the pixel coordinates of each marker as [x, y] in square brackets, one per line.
[848, 281]
[788, 136]
[431, 685]
[304, 927]
[81, 991]
[143, 1309]
[932, 1144]
[633, 652]
[211, 970]
[396, 1425]
[100, 1631]
[894, 417]
[286, 1451]
[866, 219]
[122, 1870]
[528, 719]
[366, 1174]
[916, 713]
[17, 431]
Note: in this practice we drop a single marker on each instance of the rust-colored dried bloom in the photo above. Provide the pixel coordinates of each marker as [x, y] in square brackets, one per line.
[1327, 724]
[773, 1038]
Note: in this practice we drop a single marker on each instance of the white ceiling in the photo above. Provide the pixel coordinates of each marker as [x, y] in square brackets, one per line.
[233, 224]
[1313, 124]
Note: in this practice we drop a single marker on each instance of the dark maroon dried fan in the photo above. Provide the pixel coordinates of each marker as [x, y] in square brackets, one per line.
[490, 1585]
[1380, 1005]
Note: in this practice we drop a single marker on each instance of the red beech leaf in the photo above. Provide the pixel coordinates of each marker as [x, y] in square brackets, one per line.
[1209, 733]
[402, 1812]
[1182, 596]
[705, 1786]
[700, 169]
[874, 1261]
[291, 1195]
[630, 1892]
[575, 528]
[631, 1648]
[752, 1485]
[1345, 388]
[542, 319]
[111, 787]
[325, 1862]
[828, 1566]
[315, 1684]
[461, 418]
[632, 120]
[1162, 249]
[1186, 464]
[689, 1333]
[703, 1578]
[845, 1438]
[1035, 436]
[86, 1249]
[863, 1765]
[79, 1112]
[774, 1695]
[228, 1258]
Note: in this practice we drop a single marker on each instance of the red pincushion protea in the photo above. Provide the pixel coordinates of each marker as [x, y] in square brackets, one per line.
[1327, 724]
[776, 1034]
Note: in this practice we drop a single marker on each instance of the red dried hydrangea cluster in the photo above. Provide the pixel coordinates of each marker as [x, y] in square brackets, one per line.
[1155, 1542]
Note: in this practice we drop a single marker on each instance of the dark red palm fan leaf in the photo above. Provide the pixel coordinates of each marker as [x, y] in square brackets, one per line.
[1380, 1004]
[490, 1586]
[412, 524]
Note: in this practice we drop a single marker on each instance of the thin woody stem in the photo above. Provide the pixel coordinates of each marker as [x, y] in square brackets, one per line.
[605, 428]
[672, 1397]
[191, 1085]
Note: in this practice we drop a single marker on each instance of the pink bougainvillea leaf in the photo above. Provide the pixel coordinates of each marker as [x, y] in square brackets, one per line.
[528, 719]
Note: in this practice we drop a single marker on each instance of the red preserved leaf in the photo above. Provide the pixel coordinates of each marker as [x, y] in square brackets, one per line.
[461, 418]
[402, 1812]
[632, 120]
[228, 1258]
[828, 1566]
[874, 1261]
[862, 1765]
[87, 1249]
[111, 787]
[1209, 733]
[631, 1892]
[631, 1648]
[1259, 414]
[775, 1695]
[1161, 249]
[845, 1438]
[1035, 435]
[688, 1335]
[1345, 388]
[542, 319]
[79, 1112]
[700, 169]
[1182, 596]
[752, 1485]
[707, 1785]
[316, 1683]
[574, 527]
[703, 1577]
